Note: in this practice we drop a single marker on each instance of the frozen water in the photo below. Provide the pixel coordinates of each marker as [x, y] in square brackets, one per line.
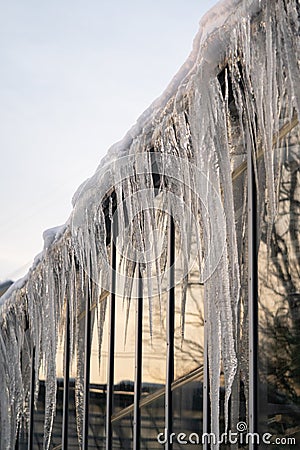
[190, 139]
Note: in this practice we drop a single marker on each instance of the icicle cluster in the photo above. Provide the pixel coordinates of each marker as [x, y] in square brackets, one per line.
[231, 97]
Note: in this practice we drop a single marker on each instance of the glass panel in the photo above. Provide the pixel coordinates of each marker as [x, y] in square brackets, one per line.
[23, 440]
[72, 429]
[154, 347]
[124, 354]
[279, 305]
[123, 433]
[188, 350]
[152, 423]
[39, 417]
[188, 414]
[98, 379]
[189, 307]
[57, 424]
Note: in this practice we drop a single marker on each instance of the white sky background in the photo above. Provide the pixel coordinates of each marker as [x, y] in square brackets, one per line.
[74, 77]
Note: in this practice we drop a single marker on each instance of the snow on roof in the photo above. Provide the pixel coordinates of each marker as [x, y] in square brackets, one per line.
[208, 52]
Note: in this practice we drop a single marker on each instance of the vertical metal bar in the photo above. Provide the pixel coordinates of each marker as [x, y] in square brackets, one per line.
[31, 406]
[170, 335]
[138, 364]
[87, 368]
[205, 381]
[253, 297]
[66, 382]
[17, 443]
[111, 344]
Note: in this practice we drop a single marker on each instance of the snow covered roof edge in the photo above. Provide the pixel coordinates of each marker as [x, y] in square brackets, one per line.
[209, 45]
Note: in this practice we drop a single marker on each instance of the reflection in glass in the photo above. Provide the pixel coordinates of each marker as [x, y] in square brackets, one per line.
[279, 304]
[188, 411]
[124, 354]
[122, 433]
[98, 378]
[154, 347]
[188, 351]
[39, 417]
[152, 423]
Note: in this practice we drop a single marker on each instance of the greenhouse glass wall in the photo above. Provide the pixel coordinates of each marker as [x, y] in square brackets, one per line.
[165, 312]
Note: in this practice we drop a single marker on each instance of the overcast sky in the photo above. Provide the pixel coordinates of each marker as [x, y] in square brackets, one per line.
[74, 77]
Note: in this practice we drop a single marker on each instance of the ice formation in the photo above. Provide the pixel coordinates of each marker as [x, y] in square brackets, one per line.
[232, 96]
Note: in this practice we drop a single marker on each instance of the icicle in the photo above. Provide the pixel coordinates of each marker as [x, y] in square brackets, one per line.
[101, 317]
[214, 337]
[80, 351]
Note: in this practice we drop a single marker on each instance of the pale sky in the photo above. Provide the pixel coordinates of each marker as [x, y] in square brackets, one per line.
[74, 77]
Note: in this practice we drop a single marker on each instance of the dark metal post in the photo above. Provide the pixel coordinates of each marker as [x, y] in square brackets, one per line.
[31, 405]
[253, 297]
[87, 367]
[17, 443]
[66, 381]
[111, 344]
[138, 364]
[205, 380]
[170, 334]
